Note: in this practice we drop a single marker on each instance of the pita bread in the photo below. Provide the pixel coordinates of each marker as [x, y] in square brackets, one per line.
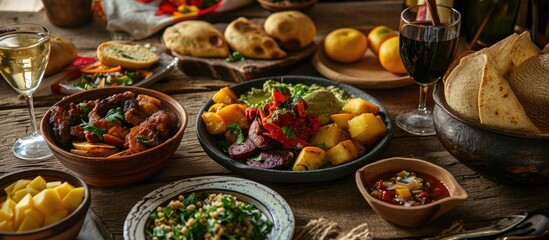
[523, 49]
[247, 38]
[498, 105]
[196, 38]
[293, 30]
[462, 85]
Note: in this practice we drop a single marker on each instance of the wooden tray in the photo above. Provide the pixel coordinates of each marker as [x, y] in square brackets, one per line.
[241, 71]
[365, 73]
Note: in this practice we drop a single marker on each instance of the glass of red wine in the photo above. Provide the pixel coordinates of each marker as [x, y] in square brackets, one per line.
[426, 49]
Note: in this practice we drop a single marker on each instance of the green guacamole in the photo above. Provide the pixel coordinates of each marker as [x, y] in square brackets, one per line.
[324, 101]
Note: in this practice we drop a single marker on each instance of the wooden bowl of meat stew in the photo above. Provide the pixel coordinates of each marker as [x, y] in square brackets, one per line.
[424, 191]
[150, 134]
[278, 174]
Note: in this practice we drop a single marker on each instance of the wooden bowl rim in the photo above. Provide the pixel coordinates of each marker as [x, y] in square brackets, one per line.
[459, 193]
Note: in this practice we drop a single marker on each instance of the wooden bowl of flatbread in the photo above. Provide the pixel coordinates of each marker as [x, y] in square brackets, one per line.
[484, 126]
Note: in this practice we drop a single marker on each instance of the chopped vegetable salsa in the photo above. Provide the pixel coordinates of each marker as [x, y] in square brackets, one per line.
[408, 189]
[208, 216]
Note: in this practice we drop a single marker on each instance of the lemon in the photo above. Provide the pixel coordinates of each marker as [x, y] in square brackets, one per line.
[389, 56]
[345, 45]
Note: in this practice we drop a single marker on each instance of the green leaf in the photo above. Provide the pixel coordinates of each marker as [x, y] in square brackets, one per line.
[234, 128]
[97, 131]
[84, 108]
[235, 57]
[115, 114]
[288, 132]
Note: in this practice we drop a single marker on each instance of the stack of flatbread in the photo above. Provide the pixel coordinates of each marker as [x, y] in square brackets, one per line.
[478, 87]
[289, 30]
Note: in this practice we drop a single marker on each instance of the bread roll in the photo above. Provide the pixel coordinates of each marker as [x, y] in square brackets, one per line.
[247, 38]
[62, 53]
[293, 30]
[129, 56]
[196, 38]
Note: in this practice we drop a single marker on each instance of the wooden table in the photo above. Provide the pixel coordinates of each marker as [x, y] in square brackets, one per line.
[487, 201]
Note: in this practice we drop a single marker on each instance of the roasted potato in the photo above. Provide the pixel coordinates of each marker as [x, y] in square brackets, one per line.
[358, 106]
[225, 95]
[233, 114]
[328, 136]
[366, 128]
[310, 158]
[214, 123]
[343, 152]
[341, 119]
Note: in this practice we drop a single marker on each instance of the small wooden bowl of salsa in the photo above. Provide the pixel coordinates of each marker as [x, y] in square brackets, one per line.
[409, 192]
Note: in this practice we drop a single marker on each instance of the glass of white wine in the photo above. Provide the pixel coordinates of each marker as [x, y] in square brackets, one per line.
[24, 53]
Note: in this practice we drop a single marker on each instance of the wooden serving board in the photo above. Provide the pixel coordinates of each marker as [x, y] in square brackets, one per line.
[248, 69]
[365, 73]
[241, 71]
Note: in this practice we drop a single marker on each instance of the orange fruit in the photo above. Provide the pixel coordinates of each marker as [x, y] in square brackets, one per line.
[345, 45]
[377, 36]
[389, 56]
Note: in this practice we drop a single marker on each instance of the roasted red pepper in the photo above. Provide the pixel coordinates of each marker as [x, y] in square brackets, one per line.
[286, 120]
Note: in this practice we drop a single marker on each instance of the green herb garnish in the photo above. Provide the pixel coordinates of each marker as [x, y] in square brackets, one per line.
[288, 132]
[234, 128]
[91, 129]
[115, 114]
[235, 57]
[84, 108]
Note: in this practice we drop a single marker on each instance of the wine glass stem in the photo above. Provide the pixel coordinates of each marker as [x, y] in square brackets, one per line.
[30, 103]
[423, 98]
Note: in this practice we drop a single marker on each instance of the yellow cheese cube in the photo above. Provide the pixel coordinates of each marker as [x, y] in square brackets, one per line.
[19, 194]
[20, 184]
[5, 226]
[9, 207]
[53, 184]
[328, 136]
[9, 189]
[31, 190]
[35, 215]
[63, 189]
[47, 201]
[38, 183]
[4, 216]
[73, 199]
[24, 204]
[27, 224]
[343, 152]
[366, 128]
[55, 217]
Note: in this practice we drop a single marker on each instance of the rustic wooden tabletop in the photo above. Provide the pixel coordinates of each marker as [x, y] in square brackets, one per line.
[488, 201]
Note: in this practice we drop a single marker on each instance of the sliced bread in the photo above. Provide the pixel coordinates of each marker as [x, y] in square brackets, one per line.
[129, 56]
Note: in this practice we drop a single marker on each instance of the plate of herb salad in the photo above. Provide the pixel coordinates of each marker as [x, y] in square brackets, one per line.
[210, 206]
[88, 73]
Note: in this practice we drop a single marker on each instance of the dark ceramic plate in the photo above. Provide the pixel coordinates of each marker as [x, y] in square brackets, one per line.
[210, 146]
